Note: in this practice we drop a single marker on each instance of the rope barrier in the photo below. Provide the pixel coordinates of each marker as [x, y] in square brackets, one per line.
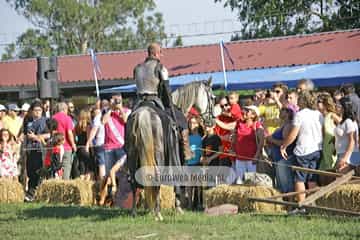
[293, 167]
[267, 161]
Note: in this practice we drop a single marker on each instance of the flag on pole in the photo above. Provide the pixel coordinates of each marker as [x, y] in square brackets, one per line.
[96, 70]
[227, 52]
[223, 49]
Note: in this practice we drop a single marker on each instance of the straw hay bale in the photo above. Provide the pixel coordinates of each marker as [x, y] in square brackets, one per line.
[167, 197]
[11, 191]
[239, 194]
[78, 192]
[344, 197]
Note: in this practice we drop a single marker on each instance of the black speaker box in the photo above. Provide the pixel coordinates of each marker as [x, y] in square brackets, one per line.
[47, 77]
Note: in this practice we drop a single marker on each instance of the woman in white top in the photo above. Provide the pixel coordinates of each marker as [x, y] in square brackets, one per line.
[347, 139]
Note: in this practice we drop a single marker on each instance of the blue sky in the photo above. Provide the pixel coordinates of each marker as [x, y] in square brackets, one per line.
[186, 17]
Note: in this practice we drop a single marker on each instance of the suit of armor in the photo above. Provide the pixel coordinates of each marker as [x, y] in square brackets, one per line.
[152, 82]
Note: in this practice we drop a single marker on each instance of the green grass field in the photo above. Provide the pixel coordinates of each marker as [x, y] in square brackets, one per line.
[39, 221]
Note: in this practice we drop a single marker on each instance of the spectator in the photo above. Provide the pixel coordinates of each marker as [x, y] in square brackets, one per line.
[225, 134]
[82, 130]
[97, 139]
[217, 109]
[195, 141]
[279, 94]
[8, 165]
[349, 92]
[46, 107]
[2, 115]
[12, 121]
[54, 156]
[66, 127]
[292, 100]
[283, 172]
[307, 129]
[235, 109]
[211, 145]
[114, 121]
[195, 138]
[249, 133]
[270, 111]
[326, 106]
[347, 138]
[24, 110]
[259, 98]
[305, 85]
[72, 112]
[36, 135]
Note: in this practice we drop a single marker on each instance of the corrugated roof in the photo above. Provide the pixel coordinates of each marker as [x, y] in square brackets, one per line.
[340, 46]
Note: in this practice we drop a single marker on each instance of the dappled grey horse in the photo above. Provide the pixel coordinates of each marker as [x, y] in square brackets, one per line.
[146, 136]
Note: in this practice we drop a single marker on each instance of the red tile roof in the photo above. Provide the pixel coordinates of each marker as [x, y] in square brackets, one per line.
[263, 53]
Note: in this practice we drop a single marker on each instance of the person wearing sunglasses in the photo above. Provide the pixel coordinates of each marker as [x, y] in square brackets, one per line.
[225, 134]
[270, 109]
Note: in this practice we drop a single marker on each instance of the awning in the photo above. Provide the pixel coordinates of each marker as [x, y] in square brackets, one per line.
[323, 75]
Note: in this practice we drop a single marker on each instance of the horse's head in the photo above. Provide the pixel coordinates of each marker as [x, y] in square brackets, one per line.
[205, 99]
[198, 94]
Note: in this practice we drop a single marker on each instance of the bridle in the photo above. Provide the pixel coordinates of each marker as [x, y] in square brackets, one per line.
[209, 113]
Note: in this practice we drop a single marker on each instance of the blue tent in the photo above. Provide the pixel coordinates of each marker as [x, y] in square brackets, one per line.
[323, 75]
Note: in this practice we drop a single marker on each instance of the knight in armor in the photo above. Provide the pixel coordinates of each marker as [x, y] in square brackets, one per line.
[152, 83]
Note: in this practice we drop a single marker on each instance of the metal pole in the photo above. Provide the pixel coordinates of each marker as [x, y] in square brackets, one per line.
[223, 64]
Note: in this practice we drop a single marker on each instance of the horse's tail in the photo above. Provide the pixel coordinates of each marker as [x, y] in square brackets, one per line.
[144, 142]
[144, 139]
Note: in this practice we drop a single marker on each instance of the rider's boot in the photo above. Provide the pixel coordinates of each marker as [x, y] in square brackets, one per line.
[188, 154]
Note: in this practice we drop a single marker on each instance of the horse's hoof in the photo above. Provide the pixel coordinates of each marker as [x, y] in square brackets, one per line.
[179, 210]
[158, 217]
[133, 214]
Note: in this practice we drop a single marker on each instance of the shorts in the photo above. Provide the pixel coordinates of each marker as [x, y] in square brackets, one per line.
[354, 158]
[111, 157]
[311, 161]
[99, 155]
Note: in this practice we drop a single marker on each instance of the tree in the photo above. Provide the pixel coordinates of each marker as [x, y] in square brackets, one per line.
[270, 18]
[178, 42]
[72, 26]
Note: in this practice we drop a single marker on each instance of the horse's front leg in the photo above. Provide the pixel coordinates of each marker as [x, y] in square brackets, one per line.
[179, 194]
[158, 216]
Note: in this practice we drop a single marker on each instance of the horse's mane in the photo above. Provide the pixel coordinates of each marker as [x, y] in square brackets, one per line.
[185, 97]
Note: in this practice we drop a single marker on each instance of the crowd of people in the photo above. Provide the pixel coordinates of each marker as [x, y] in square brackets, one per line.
[67, 144]
[303, 127]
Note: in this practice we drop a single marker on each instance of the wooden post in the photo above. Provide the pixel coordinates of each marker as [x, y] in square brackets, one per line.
[293, 204]
[320, 172]
[327, 189]
[289, 194]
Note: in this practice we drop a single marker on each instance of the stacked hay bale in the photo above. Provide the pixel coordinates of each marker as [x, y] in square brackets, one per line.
[78, 192]
[344, 197]
[239, 194]
[11, 191]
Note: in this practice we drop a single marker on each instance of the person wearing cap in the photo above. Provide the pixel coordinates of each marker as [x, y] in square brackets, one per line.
[248, 143]
[12, 121]
[24, 110]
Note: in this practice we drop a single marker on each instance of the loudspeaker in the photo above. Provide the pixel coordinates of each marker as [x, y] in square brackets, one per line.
[47, 77]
